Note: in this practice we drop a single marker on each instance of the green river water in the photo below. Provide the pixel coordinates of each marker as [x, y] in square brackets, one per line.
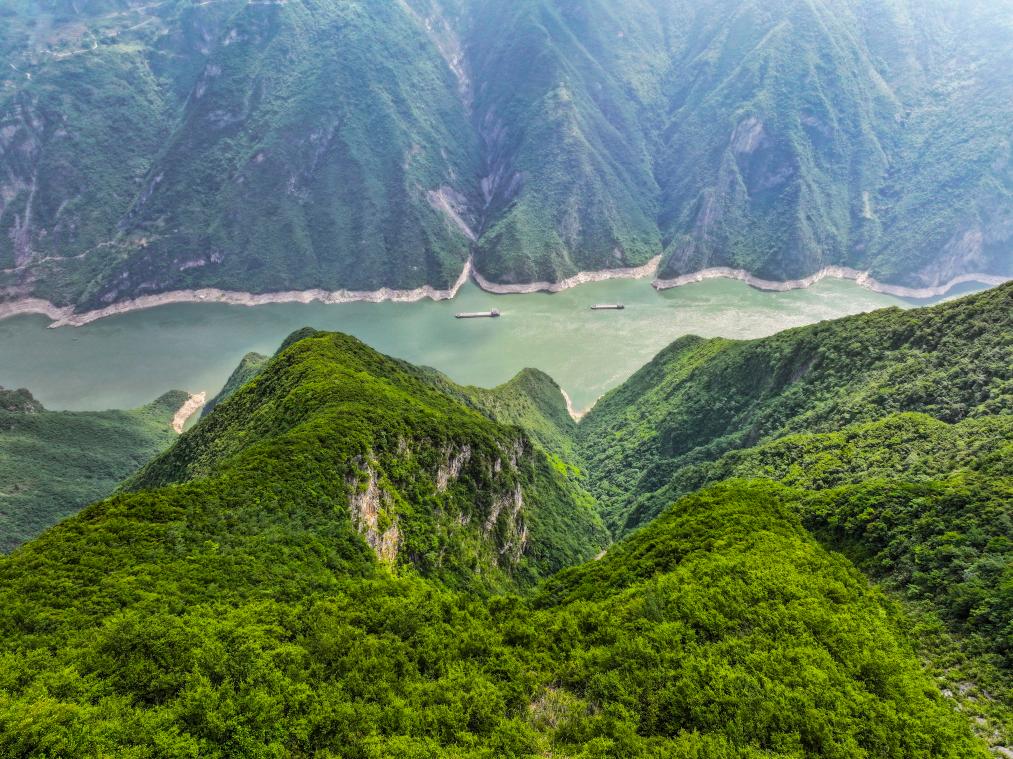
[127, 360]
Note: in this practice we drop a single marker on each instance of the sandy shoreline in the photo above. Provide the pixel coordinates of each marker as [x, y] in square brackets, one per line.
[66, 317]
[837, 272]
[574, 414]
[193, 404]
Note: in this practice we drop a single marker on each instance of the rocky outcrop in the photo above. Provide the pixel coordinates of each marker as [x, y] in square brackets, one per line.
[452, 469]
[19, 402]
[367, 503]
[507, 514]
[454, 206]
[373, 503]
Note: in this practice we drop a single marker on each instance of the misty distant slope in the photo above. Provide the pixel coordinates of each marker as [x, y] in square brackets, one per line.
[54, 463]
[699, 399]
[278, 146]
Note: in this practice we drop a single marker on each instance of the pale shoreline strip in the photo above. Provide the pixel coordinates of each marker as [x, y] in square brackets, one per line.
[861, 278]
[66, 317]
[581, 278]
[574, 414]
[192, 405]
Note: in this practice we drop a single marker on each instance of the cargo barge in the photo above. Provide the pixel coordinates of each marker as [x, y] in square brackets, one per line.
[607, 307]
[477, 315]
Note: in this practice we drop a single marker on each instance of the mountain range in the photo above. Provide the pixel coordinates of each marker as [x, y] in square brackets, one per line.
[356, 147]
[797, 546]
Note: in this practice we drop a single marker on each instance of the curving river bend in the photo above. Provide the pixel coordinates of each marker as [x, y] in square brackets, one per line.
[127, 360]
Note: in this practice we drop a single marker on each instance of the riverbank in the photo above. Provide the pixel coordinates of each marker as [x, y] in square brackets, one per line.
[193, 404]
[581, 278]
[124, 361]
[861, 278]
[65, 316]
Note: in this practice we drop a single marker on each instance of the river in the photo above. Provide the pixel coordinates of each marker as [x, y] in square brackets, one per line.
[127, 360]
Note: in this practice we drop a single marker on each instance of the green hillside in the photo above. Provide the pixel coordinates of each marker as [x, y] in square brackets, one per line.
[271, 146]
[353, 556]
[534, 401]
[908, 446]
[248, 368]
[699, 399]
[54, 463]
[920, 501]
[721, 630]
[922, 506]
[431, 484]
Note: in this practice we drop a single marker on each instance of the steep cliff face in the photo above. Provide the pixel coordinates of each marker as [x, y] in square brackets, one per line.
[90, 92]
[424, 480]
[781, 179]
[352, 146]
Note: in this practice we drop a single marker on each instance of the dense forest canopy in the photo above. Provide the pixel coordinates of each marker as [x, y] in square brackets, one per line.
[148, 147]
[353, 556]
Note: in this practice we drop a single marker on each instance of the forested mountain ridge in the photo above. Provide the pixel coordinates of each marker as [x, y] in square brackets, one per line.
[354, 556]
[699, 399]
[431, 483]
[54, 463]
[264, 147]
[243, 611]
[923, 502]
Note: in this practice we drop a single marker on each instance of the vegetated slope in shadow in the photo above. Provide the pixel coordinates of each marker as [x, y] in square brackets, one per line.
[294, 146]
[303, 160]
[54, 463]
[90, 94]
[699, 399]
[292, 159]
[566, 130]
[865, 165]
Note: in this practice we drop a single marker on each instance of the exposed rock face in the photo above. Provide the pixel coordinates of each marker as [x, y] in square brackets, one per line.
[367, 503]
[507, 514]
[374, 506]
[455, 207]
[19, 402]
[452, 470]
[748, 135]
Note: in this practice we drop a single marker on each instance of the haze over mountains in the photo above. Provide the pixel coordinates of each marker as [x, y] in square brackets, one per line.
[273, 146]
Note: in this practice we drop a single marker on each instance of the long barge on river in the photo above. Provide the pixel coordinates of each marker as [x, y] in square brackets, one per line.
[607, 307]
[477, 315]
